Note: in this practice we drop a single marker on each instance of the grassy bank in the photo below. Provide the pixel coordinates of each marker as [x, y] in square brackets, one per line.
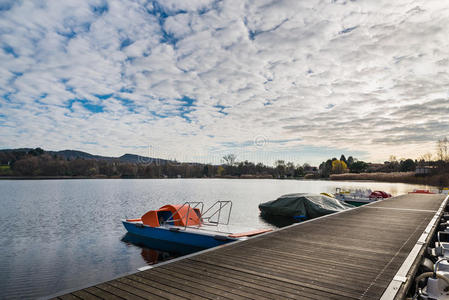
[437, 180]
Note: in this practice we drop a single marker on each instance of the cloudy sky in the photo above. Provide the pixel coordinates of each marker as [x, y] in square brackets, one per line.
[193, 80]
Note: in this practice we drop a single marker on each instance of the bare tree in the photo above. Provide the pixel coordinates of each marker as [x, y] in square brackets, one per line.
[445, 149]
[230, 159]
[280, 168]
[427, 157]
[442, 149]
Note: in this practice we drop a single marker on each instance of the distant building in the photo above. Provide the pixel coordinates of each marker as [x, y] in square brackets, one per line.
[310, 169]
[424, 170]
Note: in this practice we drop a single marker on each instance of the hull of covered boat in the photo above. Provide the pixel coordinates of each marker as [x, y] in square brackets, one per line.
[354, 200]
[178, 235]
[357, 203]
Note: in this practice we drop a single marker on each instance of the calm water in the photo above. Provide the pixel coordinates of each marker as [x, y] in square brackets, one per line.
[65, 234]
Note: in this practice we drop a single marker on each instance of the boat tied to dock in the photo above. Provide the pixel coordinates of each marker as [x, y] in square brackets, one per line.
[189, 224]
[302, 206]
[360, 196]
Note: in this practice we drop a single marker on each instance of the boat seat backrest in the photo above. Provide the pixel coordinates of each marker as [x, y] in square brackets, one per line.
[164, 216]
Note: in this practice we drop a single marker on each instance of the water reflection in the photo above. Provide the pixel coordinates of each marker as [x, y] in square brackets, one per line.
[278, 221]
[156, 251]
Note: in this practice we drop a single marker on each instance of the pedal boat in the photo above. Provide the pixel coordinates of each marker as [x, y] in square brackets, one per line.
[186, 224]
[360, 197]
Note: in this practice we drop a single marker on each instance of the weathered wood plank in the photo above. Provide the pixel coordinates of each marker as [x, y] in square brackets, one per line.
[117, 291]
[151, 287]
[285, 277]
[68, 297]
[206, 283]
[255, 285]
[83, 294]
[162, 285]
[102, 294]
[132, 290]
[319, 264]
[185, 285]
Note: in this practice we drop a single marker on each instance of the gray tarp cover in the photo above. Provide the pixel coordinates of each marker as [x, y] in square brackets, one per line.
[301, 204]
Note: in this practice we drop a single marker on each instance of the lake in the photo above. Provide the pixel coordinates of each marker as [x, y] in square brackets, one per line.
[59, 235]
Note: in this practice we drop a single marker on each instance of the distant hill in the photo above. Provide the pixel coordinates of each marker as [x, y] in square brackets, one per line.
[74, 154]
[133, 158]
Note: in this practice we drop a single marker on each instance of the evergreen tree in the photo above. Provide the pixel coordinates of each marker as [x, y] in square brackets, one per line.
[350, 161]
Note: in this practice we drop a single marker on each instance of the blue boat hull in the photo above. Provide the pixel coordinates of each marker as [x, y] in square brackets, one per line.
[179, 237]
[173, 249]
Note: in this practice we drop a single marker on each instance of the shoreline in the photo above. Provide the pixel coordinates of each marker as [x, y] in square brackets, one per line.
[117, 177]
[433, 180]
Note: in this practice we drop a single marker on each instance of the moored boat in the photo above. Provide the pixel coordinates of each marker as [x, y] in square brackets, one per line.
[360, 197]
[302, 206]
[188, 224]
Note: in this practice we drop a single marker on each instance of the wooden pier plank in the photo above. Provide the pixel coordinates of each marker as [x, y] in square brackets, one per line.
[234, 285]
[149, 286]
[83, 294]
[304, 263]
[206, 283]
[101, 293]
[350, 255]
[163, 287]
[117, 291]
[273, 287]
[302, 277]
[183, 285]
[68, 297]
[133, 290]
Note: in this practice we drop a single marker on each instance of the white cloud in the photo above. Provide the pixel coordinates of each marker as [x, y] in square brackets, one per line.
[361, 75]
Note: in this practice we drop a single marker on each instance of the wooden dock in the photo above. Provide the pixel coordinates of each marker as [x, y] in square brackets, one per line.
[369, 252]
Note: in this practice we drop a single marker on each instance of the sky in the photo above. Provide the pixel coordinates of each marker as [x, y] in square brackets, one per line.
[194, 80]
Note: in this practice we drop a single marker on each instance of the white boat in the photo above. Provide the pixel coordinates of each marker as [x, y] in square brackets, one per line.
[360, 197]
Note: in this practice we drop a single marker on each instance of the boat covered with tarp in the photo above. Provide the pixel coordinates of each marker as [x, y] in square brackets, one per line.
[303, 206]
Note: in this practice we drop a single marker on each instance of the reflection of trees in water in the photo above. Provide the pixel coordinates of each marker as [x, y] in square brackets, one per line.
[152, 256]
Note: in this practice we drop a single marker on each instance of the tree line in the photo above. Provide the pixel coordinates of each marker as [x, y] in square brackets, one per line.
[437, 163]
[37, 162]
[353, 165]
